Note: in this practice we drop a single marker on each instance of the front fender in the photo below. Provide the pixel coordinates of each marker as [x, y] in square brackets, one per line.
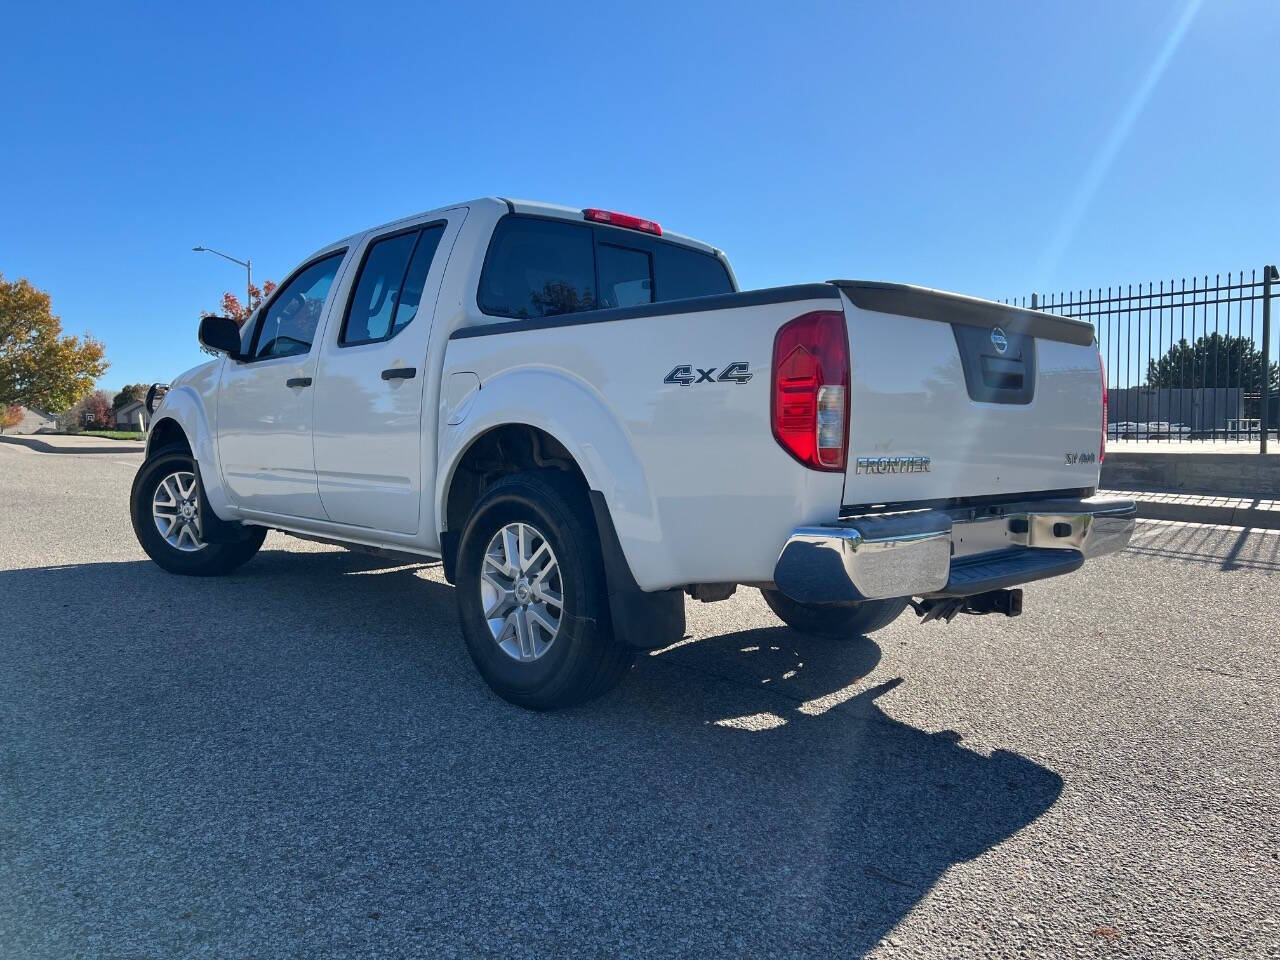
[580, 419]
[187, 405]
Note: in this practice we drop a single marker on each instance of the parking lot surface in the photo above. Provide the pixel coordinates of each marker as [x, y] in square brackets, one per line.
[299, 760]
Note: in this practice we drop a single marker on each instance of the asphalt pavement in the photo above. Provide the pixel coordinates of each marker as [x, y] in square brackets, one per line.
[299, 760]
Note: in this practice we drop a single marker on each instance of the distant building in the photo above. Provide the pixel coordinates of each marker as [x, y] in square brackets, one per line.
[1135, 410]
[127, 417]
[33, 421]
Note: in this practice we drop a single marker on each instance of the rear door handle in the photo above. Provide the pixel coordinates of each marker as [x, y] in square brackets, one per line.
[298, 382]
[399, 373]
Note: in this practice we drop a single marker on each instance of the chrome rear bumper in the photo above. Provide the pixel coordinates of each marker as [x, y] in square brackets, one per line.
[959, 552]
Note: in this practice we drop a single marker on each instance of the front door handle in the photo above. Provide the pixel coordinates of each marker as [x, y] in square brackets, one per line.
[399, 373]
[298, 382]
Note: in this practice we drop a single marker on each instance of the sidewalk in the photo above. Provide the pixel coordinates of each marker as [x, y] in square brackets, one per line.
[1204, 508]
[1190, 446]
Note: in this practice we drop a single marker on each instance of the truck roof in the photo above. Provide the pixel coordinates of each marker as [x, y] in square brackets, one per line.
[532, 207]
[538, 208]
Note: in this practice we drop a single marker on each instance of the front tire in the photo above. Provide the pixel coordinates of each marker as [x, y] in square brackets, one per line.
[164, 506]
[531, 595]
[835, 621]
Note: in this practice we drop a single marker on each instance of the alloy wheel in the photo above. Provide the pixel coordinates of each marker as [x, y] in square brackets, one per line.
[521, 591]
[175, 507]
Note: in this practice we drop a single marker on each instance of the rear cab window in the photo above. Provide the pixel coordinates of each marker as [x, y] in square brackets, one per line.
[626, 276]
[541, 267]
[538, 268]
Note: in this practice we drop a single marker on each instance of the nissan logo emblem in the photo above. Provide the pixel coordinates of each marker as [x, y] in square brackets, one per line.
[999, 340]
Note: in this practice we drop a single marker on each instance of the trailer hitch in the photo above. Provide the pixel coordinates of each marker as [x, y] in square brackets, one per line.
[946, 609]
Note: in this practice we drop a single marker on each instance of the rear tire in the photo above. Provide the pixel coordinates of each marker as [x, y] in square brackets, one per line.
[165, 487]
[835, 621]
[529, 561]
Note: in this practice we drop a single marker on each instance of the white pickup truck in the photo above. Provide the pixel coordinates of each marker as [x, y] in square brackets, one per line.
[584, 419]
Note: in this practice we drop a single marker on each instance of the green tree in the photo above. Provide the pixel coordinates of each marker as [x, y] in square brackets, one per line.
[39, 367]
[134, 391]
[1212, 361]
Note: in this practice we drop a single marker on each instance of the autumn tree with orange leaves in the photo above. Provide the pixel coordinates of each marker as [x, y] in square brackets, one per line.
[10, 416]
[39, 366]
[239, 312]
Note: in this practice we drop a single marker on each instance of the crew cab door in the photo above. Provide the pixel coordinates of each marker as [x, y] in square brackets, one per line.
[265, 398]
[372, 375]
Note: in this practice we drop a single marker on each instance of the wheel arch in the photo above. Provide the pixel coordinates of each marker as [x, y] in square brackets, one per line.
[166, 432]
[489, 455]
[567, 418]
[183, 420]
[640, 620]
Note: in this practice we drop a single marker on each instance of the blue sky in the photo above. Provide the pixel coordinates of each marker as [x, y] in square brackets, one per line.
[990, 148]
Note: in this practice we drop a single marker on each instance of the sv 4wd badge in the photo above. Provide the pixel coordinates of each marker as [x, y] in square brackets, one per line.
[683, 374]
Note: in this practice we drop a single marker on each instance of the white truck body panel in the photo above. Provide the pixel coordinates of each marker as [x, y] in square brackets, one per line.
[264, 437]
[908, 398]
[697, 487]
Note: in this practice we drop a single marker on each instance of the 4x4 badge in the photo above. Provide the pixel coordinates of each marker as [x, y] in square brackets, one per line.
[684, 375]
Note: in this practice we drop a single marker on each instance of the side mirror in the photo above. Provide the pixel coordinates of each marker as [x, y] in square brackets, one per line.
[221, 334]
[155, 395]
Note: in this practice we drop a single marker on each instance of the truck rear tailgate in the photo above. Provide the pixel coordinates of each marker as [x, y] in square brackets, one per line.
[951, 396]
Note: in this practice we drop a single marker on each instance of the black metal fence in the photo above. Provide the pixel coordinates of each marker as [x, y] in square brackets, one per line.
[1187, 359]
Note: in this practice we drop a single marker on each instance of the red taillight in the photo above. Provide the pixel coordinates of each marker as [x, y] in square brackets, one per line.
[1102, 449]
[622, 220]
[811, 389]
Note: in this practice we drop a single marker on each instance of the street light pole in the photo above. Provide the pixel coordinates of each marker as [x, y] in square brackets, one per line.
[248, 269]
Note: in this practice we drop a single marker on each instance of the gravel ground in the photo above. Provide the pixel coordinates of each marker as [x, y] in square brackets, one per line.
[299, 760]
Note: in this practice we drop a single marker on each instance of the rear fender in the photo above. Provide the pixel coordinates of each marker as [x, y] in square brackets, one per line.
[580, 419]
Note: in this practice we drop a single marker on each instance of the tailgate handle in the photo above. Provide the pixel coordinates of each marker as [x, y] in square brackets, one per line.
[1000, 374]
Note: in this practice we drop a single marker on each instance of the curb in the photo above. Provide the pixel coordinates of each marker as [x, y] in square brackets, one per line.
[1227, 515]
[41, 447]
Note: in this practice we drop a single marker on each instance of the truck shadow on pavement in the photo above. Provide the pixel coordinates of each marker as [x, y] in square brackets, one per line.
[300, 759]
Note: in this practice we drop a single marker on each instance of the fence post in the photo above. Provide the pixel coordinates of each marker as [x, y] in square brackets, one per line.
[1268, 274]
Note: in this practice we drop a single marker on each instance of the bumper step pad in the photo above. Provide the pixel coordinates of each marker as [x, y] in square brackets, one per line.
[995, 571]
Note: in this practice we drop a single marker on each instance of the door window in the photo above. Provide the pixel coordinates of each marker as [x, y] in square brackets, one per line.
[388, 290]
[416, 277]
[288, 327]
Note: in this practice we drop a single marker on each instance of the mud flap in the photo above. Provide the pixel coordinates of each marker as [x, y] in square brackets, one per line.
[641, 620]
